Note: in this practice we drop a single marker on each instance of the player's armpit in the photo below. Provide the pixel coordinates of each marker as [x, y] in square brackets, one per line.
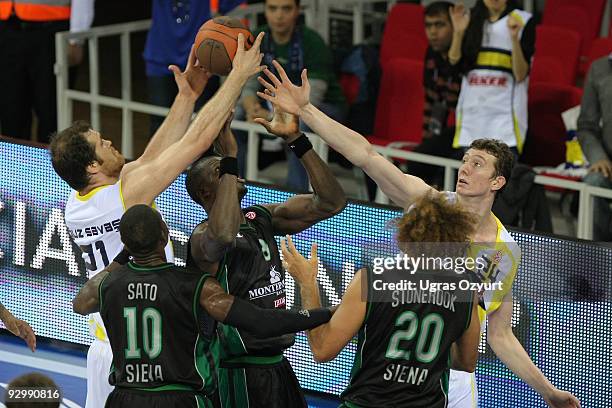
[464, 352]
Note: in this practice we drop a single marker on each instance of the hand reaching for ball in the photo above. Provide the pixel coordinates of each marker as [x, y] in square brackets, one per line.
[248, 62]
[193, 80]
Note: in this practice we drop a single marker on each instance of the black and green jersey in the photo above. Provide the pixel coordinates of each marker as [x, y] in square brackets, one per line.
[403, 351]
[252, 271]
[151, 317]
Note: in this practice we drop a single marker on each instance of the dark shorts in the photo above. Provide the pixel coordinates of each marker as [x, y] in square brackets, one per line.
[120, 398]
[260, 386]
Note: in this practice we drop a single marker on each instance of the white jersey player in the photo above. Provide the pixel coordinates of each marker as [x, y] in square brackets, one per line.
[487, 165]
[105, 186]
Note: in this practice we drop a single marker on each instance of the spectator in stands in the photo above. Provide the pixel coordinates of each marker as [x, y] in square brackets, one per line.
[295, 47]
[35, 381]
[493, 45]
[595, 136]
[442, 83]
[174, 27]
[27, 55]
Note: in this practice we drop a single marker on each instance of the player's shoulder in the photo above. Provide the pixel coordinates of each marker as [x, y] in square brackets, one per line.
[505, 238]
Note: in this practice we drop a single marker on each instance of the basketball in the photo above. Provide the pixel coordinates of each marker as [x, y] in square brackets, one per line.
[217, 41]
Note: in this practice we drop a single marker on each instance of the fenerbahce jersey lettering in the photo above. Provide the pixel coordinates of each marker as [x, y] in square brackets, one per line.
[491, 100]
[252, 271]
[403, 348]
[93, 223]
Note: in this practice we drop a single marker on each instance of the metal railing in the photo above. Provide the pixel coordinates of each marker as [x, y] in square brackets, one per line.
[313, 10]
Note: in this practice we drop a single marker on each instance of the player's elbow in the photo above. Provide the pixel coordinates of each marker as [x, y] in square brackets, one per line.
[78, 307]
[322, 355]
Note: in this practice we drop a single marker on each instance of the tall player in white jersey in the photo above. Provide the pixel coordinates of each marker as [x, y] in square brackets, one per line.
[104, 186]
[486, 167]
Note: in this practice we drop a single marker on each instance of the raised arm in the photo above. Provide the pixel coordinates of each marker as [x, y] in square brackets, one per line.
[327, 340]
[18, 327]
[209, 241]
[401, 188]
[460, 17]
[510, 351]
[190, 84]
[464, 352]
[147, 180]
[243, 315]
[302, 211]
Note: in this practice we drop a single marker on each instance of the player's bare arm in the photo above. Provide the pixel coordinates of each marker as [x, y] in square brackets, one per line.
[400, 188]
[210, 240]
[88, 299]
[244, 315]
[145, 182]
[510, 351]
[18, 327]
[464, 352]
[190, 84]
[302, 211]
[327, 340]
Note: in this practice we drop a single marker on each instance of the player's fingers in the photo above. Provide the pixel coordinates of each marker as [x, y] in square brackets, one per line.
[313, 252]
[191, 61]
[304, 77]
[272, 78]
[258, 41]
[281, 71]
[175, 70]
[264, 123]
[240, 42]
[292, 246]
[266, 97]
[266, 84]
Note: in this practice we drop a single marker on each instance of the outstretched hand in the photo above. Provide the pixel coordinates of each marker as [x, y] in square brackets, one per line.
[460, 17]
[284, 94]
[21, 329]
[193, 80]
[283, 124]
[248, 62]
[302, 270]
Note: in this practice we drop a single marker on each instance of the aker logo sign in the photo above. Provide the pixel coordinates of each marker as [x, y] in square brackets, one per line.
[276, 286]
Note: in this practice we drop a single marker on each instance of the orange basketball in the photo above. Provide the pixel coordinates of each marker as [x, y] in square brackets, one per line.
[217, 41]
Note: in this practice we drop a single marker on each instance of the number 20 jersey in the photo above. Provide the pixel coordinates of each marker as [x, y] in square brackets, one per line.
[93, 222]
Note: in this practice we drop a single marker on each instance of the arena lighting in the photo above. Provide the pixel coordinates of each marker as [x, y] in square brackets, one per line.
[562, 312]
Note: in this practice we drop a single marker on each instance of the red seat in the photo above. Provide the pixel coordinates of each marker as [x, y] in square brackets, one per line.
[557, 55]
[399, 112]
[404, 34]
[575, 18]
[594, 9]
[599, 48]
[545, 144]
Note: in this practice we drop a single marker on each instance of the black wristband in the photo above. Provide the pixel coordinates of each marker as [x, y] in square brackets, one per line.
[229, 165]
[122, 257]
[300, 146]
